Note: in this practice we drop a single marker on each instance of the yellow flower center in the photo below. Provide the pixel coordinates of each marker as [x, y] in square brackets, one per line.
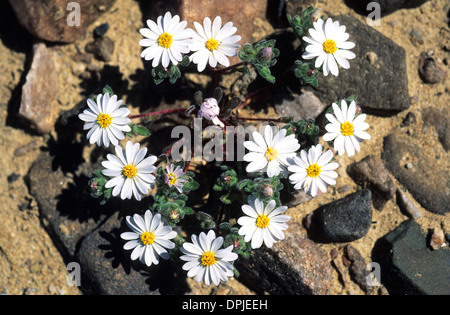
[329, 46]
[313, 170]
[130, 171]
[104, 120]
[165, 40]
[271, 154]
[172, 179]
[212, 44]
[208, 259]
[347, 129]
[262, 221]
[147, 238]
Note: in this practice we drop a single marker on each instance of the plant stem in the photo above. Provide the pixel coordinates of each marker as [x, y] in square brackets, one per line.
[227, 68]
[160, 112]
[258, 119]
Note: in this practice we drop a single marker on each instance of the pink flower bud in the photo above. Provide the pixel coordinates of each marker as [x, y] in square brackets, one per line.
[209, 110]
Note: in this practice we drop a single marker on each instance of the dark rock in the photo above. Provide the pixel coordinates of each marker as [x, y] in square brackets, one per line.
[12, 178]
[102, 48]
[293, 266]
[101, 30]
[430, 71]
[302, 107]
[343, 220]
[410, 119]
[370, 80]
[386, 6]
[439, 119]
[106, 266]
[408, 266]
[407, 206]
[423, 178]
[66, 212]
[371, 172]
[39, 93]
[48, 19]
[358, 268]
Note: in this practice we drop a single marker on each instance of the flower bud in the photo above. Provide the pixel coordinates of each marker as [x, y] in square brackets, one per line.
[267, 191]
[265, 53]
[173, 215]
[210, 110]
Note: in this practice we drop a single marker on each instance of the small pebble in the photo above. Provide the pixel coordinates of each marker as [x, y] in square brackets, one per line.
[101, 30]
[407, 206]
[437, 239]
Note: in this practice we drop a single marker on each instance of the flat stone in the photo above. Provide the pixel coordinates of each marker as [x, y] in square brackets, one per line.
[39, 93]
[293, 266]
[51, 20]
[343, 220]
[380, 84]
[431, 70]
[407, 206]
[66, 212]
[418, 172]
[440, 120]
[408, 266]
[371, 172]
[107, 268]
[302, 107]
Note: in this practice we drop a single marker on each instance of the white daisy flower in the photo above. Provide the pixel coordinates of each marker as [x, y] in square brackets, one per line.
[328, 43]
[130, 172]
[262, 223]
[173, 177]
[106, 120]
[206, 261]
[166, 40]
[270, 153]
[149, 238]
[346, 129]
[212, 43]
[313, 171]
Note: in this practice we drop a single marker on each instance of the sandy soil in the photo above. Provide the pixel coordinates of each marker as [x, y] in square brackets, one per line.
[30, 263]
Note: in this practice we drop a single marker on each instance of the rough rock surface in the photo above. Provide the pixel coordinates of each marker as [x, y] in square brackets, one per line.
[106, 267]
[362, 79]
[48, 19]
[408, 266]
[420, 173]
[66, 211]
[302, 107]
[343, 220]
[39, 105]
[371, 172]
[295, 265]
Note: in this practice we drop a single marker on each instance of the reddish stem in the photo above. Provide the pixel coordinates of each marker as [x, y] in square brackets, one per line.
[160, 112]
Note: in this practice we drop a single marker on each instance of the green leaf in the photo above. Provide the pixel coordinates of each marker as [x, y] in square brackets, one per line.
[108, 89]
